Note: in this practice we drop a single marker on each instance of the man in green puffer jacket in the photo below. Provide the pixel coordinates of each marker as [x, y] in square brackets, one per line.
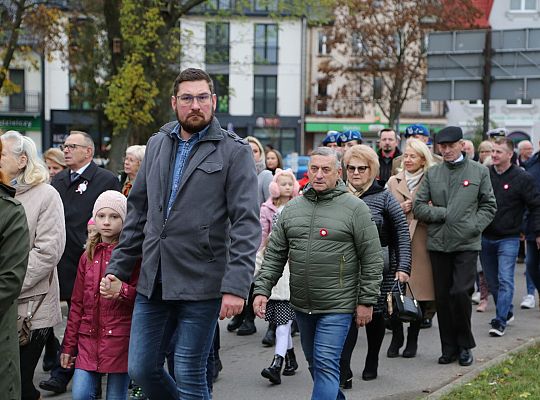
[335, 262]
[456, 200]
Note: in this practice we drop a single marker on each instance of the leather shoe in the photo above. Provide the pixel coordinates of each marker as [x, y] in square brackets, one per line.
[465, 357]
[247, 328]
[53, 385]
[447, 359]
[235, 323]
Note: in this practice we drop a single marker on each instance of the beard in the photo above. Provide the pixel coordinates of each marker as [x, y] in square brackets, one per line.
[191, 126]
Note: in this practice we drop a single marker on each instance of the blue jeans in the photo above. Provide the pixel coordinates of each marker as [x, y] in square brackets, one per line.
[533, 263]
[85, 385]
[322, 337]
[498, 259]
[154, 323]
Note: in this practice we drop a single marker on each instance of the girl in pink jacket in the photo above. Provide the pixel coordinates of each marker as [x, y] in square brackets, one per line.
[278, 309]
[96, 339]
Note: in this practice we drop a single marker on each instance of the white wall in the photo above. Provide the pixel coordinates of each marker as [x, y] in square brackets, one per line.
[56, 86]
[241, 37]
[193, 37]
[289, 68]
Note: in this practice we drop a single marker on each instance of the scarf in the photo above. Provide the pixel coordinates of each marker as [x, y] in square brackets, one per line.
[127, 187]
[413, 179]
[361, 191]
[260, 166]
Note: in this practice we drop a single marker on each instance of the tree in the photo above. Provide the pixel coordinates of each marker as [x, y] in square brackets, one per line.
[378, 49]
[28, 27]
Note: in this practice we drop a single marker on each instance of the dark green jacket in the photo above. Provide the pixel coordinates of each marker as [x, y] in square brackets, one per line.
[462, 205]
[334, 253]
[14, 249]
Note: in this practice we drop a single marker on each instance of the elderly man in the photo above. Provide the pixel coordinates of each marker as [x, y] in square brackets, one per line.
[515, 191]
[456, 201]
[193, 217]
[525, 152]
[335, 263]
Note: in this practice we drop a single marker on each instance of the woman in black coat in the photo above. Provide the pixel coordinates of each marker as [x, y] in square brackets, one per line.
[362, 166]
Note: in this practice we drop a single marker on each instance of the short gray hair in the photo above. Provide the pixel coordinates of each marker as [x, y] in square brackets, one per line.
[137, 151]
[87, 138]
[327, 152]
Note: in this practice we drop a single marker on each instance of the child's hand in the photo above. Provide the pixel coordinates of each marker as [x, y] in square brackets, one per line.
[66, 361]
[110, 287]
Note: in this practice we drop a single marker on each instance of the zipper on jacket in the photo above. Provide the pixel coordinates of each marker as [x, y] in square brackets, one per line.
[308, 255]
[341, 266]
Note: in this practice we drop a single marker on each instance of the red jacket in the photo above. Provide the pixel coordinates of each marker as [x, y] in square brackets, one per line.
[97, 330]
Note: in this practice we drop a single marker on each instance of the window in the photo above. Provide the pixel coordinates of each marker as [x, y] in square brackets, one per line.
[476, 102]
[425, 106]
[523, 5]
[519, 102]
[265, 96]
[221, 89]
[219, 4]
[266, 43]
[265, 5]
[356, 44]
[282, 139]
[17, 100]
[217, 43]
[323, 44]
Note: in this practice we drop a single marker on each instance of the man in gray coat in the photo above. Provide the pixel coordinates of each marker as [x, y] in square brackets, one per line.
[193, 217]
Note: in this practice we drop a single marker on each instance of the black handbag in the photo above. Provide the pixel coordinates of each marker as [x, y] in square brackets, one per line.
[406, 308]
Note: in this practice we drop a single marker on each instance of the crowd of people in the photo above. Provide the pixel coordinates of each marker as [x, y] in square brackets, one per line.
[203, 225]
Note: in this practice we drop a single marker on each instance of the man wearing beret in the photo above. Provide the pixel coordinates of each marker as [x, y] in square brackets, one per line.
[456, 200]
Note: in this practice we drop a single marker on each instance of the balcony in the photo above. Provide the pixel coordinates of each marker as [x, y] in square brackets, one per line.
[342, 107]
[24, 102]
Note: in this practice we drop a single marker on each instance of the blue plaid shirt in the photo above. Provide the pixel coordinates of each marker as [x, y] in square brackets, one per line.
[182, 154]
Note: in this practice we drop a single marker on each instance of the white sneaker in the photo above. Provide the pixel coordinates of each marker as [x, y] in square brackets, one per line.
[475, 298]
[528, 302]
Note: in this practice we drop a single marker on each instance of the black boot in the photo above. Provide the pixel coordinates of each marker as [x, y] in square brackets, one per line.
[236, 322]
[345, 380]
[270, 337]
[412, 340]
[371, 367]
[273, 372]
[397, 339]
[290, 363]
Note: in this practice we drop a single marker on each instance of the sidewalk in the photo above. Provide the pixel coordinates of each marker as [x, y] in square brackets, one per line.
[244, 357]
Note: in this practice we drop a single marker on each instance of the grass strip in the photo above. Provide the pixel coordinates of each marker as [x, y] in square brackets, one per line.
[515, 378]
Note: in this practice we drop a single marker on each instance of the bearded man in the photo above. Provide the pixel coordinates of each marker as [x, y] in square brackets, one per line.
[193, 217]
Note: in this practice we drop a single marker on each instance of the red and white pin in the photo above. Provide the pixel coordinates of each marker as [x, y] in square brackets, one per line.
[506, 186]
[323, 232]
[466, 183]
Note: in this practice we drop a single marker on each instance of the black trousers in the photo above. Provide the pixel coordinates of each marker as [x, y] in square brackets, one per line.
[29, 356]
[453, 277]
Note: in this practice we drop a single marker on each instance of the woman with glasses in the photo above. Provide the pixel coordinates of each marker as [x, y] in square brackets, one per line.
[40, 295]
[417, 158]
[132, 162]
[362, 166]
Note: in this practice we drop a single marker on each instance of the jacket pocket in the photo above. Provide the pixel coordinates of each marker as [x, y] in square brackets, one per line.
[118, 330]
[210, 167]
[204, 243]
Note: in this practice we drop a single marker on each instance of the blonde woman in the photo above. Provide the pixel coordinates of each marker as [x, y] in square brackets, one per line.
[54, 158]
[264, 176]
[45, 217]
[362, 165]
[417, 158]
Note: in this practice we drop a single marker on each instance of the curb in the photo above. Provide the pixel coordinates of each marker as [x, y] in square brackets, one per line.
[469, 376]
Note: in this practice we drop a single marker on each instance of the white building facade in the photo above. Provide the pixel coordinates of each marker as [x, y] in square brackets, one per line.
[256, 65]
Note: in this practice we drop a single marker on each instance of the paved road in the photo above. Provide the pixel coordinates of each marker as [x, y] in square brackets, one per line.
[399, 378]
